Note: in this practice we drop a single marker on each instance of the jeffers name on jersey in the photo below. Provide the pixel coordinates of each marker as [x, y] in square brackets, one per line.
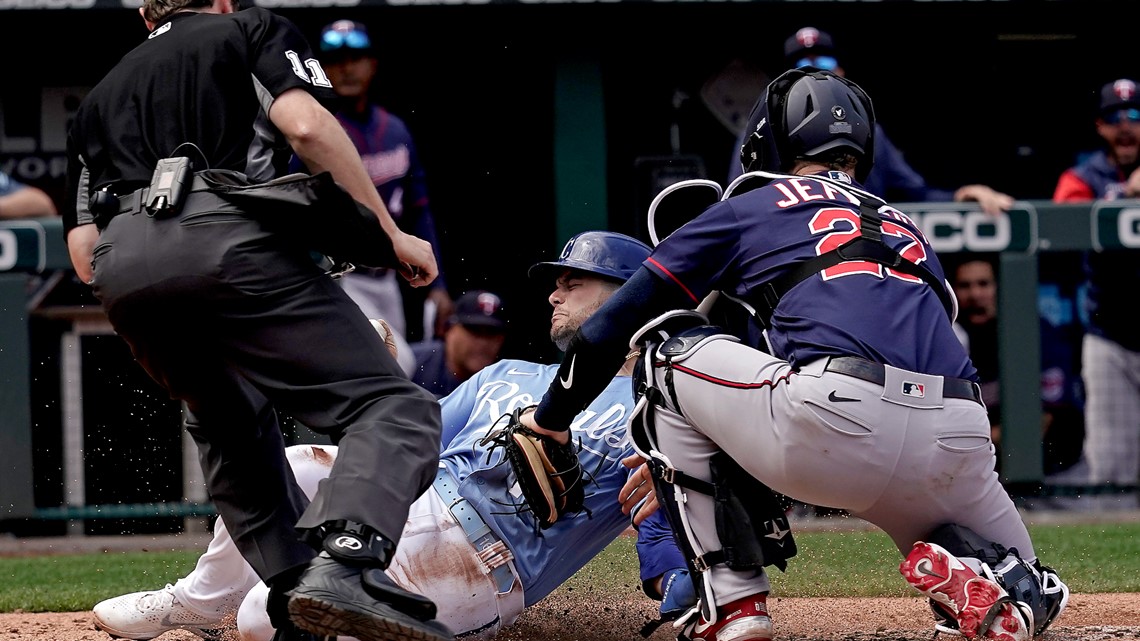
[762, 233]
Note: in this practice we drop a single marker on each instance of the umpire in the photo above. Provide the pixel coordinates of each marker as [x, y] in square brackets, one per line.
[222, 303]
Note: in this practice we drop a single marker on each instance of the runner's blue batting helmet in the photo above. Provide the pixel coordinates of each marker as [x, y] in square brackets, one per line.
[603, 253]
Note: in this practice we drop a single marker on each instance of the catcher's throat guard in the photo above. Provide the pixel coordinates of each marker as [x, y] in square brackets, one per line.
[751, 524]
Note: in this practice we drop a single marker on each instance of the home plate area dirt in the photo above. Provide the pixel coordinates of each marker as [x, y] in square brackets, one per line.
[579, 615]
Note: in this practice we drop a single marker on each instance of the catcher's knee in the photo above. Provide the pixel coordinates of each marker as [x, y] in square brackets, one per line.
[1039, 593]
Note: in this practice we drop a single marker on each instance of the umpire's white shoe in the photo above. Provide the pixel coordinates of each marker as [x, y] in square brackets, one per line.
[145, 615]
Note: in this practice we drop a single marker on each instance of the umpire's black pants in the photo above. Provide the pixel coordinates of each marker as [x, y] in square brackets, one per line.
[235, 320]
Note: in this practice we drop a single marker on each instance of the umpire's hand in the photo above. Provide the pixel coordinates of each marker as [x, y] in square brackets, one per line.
[417, 261]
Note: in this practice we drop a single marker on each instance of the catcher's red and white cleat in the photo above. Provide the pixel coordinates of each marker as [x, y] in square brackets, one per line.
[981, 608]
[740, 620]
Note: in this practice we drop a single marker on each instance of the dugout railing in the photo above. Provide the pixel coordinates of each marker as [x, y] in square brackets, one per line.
[1017, 238]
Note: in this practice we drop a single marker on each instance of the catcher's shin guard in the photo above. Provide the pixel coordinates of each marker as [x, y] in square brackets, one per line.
[1036, 590]
[671, 497]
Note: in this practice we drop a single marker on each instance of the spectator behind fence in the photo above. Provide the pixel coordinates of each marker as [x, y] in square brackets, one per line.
[891, 176]
[18, 200]
[473, 340]
[1110, 361]
[385, 143]
[1062, 424]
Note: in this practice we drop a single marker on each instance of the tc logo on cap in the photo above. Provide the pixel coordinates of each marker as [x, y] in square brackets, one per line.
[488, 303]
[1124, 89]
[808, 37]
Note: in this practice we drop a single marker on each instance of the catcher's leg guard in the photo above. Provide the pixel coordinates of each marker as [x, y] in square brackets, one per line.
[751, 526]
[1038, 593]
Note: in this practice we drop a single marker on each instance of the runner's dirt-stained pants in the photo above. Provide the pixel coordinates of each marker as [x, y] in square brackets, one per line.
[906, 465]
[235, 320]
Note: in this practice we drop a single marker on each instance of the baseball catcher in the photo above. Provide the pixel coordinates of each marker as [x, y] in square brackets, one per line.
[549, 474]
[864, 401]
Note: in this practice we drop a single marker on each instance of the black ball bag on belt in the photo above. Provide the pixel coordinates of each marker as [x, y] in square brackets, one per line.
[313, 210]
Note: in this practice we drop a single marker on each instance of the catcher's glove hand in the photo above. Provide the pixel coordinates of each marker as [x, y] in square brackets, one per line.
[548, 472]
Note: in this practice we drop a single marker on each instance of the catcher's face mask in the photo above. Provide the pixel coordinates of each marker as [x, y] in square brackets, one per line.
[804, 112]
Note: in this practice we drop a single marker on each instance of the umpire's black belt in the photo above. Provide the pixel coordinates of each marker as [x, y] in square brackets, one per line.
[871, 372]
[135, 202]
[478, 532]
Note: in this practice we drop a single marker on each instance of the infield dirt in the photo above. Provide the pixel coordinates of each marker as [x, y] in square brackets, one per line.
[585, 614]
[619, 617]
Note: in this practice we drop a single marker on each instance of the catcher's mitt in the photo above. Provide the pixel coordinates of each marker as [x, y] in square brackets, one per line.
[549, 473]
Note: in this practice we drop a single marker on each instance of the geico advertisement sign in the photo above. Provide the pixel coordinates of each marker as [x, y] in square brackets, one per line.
[975, 231]
[1116, 226]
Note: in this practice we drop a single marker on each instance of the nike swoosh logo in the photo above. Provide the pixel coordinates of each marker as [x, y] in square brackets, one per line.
[569, 380]
[926, 567]
[514, 372]
[701, 627]
[166, 622]
[841, 399]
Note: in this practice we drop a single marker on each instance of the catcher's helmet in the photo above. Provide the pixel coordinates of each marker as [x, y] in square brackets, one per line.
[603, 253]
[803, 113]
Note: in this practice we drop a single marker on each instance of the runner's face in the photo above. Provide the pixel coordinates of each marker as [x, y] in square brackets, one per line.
[576, 296]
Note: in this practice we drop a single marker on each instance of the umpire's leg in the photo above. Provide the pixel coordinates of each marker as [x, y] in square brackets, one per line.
[316, 356]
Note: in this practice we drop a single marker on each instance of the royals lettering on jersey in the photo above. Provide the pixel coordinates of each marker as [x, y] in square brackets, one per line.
[486, 480]
[759, 234]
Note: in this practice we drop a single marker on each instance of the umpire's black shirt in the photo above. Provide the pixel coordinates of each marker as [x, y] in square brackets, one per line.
[200, 78]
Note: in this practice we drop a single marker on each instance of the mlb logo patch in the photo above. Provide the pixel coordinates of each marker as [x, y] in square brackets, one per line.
[914, 390]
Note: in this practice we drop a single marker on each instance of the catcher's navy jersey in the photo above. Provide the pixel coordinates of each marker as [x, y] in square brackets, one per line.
[159, 97]
[855, 308]
[545, 562]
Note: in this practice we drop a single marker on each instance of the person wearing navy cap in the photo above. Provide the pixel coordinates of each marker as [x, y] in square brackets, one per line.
[473, 340]
[892, 176]
[349, 57]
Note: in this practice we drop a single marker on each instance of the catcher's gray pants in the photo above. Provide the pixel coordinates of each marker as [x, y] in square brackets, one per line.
[235, 320]
[906, 469]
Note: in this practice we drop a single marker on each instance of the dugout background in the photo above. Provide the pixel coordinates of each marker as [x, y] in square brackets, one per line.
[971, 91]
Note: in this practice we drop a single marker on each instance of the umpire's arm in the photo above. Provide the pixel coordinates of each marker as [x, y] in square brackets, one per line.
[320, 141]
